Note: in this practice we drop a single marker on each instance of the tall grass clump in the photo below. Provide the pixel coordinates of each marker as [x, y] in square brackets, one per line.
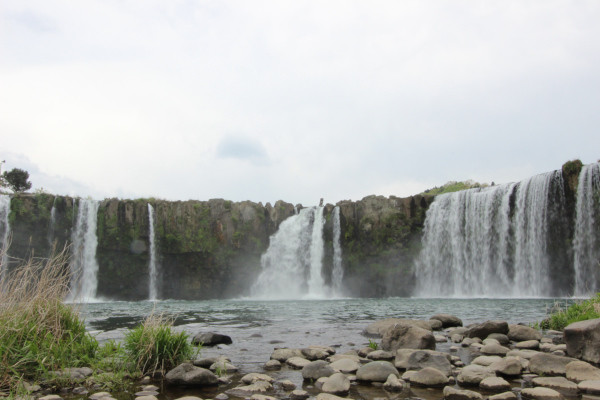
[153, 346]
[578, 311]
[38, 332]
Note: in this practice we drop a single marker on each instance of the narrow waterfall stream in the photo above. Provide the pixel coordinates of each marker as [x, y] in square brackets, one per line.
[84, 267]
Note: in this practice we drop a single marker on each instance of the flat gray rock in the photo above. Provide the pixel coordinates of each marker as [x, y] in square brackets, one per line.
[451, 393]
[376, 371]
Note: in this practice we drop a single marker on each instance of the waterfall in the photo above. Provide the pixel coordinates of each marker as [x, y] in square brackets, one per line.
[4, 232]
[84, 266]
[52, 223]
[152, 266]
[337, 274]
[586, 243]
[477, 243]
[292, 265]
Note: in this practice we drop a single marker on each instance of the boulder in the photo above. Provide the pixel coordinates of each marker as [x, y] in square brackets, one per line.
[526, 354]
[288, 385]
[521, 333]
[299, 395]
[345, 365]
[528, 345]
[393, 384]
[557, 383]
[508, 366]
[590, 387]
[257, 387]
[473, 374]
[500, 337]
[429, 377]
[380, 355]
[189, 375]
[540, 393]
[313, 354]
[376, 371]
[583, 340]
[407, 337]
[378, 328]
[223, 366]
[409, 359]
[495, 384]
[579, 371]
[549, 364]
[486, 328]
[254, 376]
[284, 354]
[494, 349]
[272, 365]
[329, 396]
[486, 361]
[208, 339]
[451, 393]
[317, 369]
[298, 362]
[337, 383]
[503, 396]
[448, 320]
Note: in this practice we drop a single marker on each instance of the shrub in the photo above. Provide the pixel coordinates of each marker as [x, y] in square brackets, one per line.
[38, 332]
[579, 311]
[152, 346]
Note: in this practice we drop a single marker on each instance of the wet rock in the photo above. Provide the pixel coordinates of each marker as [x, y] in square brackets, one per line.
[51, 397]
[298, 362]
[503, 396]
[435, 325]
[336, 384]
[540, 393]
[408, 359]
[456, 338]
[470, 341]
[494, 349]
[473, 374]
[262, 397]
[393, 384]
[378, 328]
[288, 385]
[148, 397]
[521, 333]
[407, 337]
[299, 395]
[272, 365]
[490, 341]
[257, 387]
[329, 396]
[253, 377]
[582, 340]
[364, 352]
[80, 390]
[579, 371]
[317, 369]
[509, 366]
[346, 356]
[100, 395]
[486, 328]
[451, 393]
[146, 393]
[429, 377]
[500, 337]
[313, 354]
[557, 383]
[198, 398]
[448, 320]
[376, 371]
[440, 338]
[150, 387]
[206, 362]
[590, 387]
[190, 375]
[528, 345]
[549, 364]
[486, 361]
[526, 354]
[495, 384]
[208, 339]
[282, 355]
[380, 355]
[224, 367]
[345, 365]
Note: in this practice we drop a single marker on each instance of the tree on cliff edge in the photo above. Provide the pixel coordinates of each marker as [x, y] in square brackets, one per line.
[17, 180]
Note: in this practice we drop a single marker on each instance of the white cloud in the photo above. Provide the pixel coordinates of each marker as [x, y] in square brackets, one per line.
[297, 100]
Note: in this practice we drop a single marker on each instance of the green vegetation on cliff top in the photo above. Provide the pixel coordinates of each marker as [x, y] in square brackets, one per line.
[454, 186]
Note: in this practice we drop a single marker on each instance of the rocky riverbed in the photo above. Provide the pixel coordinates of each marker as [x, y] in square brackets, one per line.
[403, 358]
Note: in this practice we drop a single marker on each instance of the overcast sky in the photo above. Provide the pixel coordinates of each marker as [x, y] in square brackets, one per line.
[294, 100]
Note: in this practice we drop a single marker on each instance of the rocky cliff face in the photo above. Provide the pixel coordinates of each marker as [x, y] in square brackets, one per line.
[212, 249]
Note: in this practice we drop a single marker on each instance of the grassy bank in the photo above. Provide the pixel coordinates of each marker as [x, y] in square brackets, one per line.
[561, 316]
[40, 335]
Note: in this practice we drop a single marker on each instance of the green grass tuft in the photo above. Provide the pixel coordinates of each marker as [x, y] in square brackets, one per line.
[565, 315]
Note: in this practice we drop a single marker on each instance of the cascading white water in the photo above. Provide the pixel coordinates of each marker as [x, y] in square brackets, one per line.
[473, 247]
[152, 266]
[4, 232]
[586, 242]
[52, 223]
[337, 273]
[316, 284]
[291, 266]
[84, 266]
